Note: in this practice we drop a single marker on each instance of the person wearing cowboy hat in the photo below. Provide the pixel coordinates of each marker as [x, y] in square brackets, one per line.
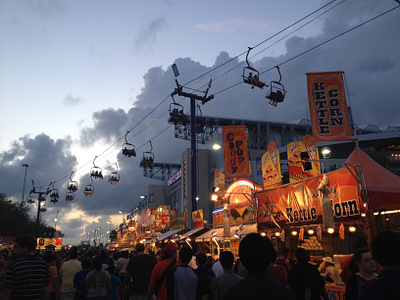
[327, 269]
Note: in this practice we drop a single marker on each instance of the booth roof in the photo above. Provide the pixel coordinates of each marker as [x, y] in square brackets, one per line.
[165, 235]
[383, 186]
[218, 233]
[191, 232]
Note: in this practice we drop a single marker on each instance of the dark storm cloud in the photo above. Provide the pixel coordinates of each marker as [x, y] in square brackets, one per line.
[107, 127]
[75, 223]
[48, 161]
[368, 56]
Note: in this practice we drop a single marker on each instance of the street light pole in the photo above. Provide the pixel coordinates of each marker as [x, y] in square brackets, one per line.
[26, 166]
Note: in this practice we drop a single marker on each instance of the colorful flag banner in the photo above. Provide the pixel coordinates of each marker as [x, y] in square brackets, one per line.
[236, 156]
[328, 107]
[198, 219]
[299, 169]
[271, 166]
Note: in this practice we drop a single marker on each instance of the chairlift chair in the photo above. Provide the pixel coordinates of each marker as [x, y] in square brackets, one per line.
[251, 75]
[113, 178]
[127, 148]
[96, 172]
[148, 158]
[31, 200]
[89, 190]
[276, 93]
[70, 196]
[176, 113]
[54, 195]
[72, 185]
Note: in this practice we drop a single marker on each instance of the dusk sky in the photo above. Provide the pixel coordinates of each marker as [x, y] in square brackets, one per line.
[75, 76]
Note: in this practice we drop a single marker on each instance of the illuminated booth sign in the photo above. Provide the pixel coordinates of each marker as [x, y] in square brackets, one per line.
[239, 197]
[301, 203]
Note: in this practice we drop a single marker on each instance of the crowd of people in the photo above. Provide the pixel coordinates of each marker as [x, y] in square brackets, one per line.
[179, 273]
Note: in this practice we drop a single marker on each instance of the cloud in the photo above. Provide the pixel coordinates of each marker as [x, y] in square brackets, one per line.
[48, 161]
[233, 25]
[367, 55]
[107, 127]
[70, 100]
[146, 37]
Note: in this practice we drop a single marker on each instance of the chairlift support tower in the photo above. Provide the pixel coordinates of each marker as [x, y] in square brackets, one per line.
[193, 147]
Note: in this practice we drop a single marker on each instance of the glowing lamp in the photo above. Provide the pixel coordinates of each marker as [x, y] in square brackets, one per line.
[352, 229]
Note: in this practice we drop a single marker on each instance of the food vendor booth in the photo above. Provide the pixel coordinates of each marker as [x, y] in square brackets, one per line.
[233, 218]
[383, 189]
[312, 213]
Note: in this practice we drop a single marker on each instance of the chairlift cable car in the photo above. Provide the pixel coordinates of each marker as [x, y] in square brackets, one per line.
[70, 196]
[114, 176]
[96, 172]
[148, 157]
[176, 112]
[54, 194]
[127, 148]
[31, 199]
[276, 93]
[251, 75]
[72, 185]
[89, 188]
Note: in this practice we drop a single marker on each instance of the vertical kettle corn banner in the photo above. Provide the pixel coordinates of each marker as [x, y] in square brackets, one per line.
[328, 107]
[236, 155]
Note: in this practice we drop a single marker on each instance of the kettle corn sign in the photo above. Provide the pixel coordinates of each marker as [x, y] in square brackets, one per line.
[328, 107]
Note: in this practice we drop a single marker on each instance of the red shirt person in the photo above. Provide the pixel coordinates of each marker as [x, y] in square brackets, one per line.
[159, 272]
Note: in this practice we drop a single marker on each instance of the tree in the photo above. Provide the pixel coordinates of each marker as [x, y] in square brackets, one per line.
[15, 220]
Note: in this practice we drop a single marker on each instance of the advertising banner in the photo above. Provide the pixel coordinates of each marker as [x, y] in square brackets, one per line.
[177, 221]
[236, 156]
[271, 167]
[197, 219]
[317, 200]
[306, 148]
[328, 107]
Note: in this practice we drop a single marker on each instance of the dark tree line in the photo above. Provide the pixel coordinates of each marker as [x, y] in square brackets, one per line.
[15, 220]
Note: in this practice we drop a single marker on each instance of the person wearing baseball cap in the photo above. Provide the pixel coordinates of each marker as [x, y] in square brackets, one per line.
[157, 284]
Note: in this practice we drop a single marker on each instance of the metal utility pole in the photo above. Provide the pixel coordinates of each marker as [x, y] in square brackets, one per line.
[41, 198]
[26, 166]
[193, 97]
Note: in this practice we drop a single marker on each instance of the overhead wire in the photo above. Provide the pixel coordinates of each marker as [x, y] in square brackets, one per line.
[314, 47]
[240, 82]
[202, 75]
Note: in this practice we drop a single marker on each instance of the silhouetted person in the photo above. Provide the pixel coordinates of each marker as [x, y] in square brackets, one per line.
[386, 252]
[256, 255]
[304, 279]
[28, 276]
